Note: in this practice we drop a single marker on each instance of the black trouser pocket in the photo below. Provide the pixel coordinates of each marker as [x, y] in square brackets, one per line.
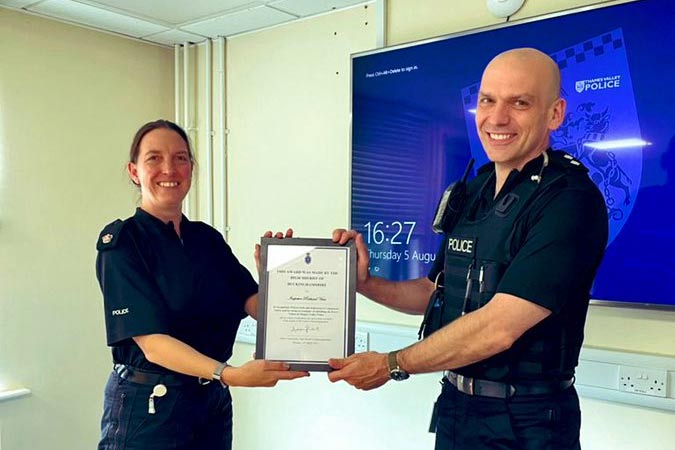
[468, 422]
[547, 422]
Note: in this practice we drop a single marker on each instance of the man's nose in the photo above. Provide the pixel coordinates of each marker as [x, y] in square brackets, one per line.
[500, 114]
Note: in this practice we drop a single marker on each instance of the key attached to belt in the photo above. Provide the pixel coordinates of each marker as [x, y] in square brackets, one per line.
[158, 391]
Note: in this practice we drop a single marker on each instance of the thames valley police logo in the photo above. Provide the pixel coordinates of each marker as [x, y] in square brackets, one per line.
[601, 114]
[308, 259]
[598, 84]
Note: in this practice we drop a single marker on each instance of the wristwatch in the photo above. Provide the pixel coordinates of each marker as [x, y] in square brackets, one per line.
[218, 371]
[395, 371]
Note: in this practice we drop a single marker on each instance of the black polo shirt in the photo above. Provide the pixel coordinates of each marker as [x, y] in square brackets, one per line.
[558, 245]
[192, 288]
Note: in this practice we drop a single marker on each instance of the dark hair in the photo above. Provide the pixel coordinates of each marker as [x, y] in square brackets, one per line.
[150, 126]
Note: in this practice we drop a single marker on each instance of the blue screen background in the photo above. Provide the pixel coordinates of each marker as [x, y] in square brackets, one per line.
[413, 134]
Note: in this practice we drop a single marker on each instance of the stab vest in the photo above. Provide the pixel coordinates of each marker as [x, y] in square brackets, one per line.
[478, 251]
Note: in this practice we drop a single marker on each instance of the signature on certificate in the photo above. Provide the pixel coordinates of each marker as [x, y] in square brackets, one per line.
[306, 329]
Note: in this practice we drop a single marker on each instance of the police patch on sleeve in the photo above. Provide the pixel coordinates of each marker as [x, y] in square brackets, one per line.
[108, 237]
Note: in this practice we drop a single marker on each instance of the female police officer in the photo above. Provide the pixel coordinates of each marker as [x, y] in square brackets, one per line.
[174, 295]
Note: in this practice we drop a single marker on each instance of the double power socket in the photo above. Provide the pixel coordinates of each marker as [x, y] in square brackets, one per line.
[643, 381]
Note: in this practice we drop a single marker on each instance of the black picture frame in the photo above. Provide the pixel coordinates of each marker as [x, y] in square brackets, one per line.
[303, 314]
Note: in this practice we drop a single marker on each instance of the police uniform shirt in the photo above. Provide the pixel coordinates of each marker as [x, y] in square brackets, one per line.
[558, 244]
[192, 288]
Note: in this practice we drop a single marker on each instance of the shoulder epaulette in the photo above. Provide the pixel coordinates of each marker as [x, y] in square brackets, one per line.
[109, 236]
[566, 161]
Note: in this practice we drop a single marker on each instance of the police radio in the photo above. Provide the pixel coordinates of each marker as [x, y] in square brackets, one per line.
[452, 203]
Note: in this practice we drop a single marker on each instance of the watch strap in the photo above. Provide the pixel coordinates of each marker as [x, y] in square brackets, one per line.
[218, 372]
[395, 371]
[391, 361]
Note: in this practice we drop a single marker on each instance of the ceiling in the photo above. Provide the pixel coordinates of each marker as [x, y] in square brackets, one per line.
[169, 22]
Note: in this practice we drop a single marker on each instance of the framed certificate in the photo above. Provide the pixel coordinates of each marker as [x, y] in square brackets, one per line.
[306, 306]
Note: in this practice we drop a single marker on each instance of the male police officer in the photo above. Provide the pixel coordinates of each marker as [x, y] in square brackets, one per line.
[517, 269]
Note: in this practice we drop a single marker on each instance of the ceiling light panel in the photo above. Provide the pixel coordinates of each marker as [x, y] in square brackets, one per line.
[239, 22]
[96, 17]
[311, 7]
[16, 3]
[177, 11]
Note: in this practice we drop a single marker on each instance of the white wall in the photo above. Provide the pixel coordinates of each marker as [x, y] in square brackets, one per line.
[412, 20]
[288, 113]
[70, 101]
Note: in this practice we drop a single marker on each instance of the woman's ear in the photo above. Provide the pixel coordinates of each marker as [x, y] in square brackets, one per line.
[133, 173]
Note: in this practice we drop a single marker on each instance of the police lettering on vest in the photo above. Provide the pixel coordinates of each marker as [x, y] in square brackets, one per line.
[461, 245]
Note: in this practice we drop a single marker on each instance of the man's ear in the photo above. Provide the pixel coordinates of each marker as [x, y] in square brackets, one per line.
[557, 114]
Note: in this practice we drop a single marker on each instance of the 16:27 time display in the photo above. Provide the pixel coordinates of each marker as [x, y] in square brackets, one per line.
[377, 233]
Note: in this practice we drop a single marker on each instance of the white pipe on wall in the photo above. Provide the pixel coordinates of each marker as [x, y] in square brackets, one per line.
[209, 133]
[186, 115]
[176, 82]
[186, 86]
[381, 23]
[222, 131]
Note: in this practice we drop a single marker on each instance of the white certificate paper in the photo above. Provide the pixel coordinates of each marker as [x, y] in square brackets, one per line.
[306, 304]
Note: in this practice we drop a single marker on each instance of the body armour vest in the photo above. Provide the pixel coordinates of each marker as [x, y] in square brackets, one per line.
[477, 252]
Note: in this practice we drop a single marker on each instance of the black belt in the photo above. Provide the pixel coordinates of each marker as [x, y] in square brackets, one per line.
[486, 388]
[139, 376]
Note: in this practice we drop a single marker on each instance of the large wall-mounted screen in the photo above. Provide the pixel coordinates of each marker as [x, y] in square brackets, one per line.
[413, 133]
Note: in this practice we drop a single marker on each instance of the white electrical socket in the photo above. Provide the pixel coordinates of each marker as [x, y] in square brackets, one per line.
[247, 331]
[361, 342]
[643, 381]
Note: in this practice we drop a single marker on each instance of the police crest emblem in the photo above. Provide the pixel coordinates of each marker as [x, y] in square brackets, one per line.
[579, 86]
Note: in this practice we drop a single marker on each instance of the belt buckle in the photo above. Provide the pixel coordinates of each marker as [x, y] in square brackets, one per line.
[466, 384]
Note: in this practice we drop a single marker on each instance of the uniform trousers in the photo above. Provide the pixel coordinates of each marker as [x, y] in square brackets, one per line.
[521, 422]
[189, 416]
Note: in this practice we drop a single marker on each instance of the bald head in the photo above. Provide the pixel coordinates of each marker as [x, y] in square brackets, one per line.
[519, 105]
[538, 64]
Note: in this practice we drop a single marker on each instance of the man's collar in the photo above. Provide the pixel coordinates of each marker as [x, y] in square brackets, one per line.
[531, 167]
